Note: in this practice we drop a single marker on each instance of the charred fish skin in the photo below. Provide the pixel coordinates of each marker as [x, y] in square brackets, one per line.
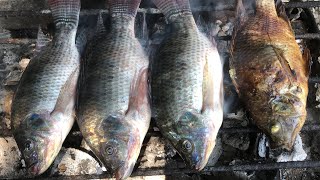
[269, 71]
[186, 86]
[114, 110]
[43, 105]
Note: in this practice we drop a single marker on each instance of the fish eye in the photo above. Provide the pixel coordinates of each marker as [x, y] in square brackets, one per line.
[110, 150]
[187, 145]
[28, 145]
[275, 128]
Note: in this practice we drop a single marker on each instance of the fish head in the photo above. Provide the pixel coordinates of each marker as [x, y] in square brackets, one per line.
[194, 139]
[38, 142]
[120, 147]
[288, 117]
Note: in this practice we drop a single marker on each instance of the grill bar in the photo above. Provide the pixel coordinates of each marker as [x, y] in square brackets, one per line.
[255, 166]
[309, 4]
[232, 130]
[223, 38]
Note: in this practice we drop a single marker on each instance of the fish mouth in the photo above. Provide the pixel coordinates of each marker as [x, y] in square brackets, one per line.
[34, 168]
[281, 145]
[124, 171]
[198, 166]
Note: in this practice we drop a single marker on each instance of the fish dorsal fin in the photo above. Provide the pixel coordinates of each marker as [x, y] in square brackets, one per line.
[281, 11]
[241, 17]
[100, 28]
[42, 40]
[67, 97]
[202, 26]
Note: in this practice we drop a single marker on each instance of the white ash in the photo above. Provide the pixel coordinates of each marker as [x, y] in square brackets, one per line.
[297, 153]
[10, 161]
[155, 154]
[262, 145]
[74, 162]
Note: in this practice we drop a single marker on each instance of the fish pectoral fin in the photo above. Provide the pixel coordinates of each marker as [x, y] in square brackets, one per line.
[100, 28]
[67, 96]
[42, 40]
[139, 100]
[289, 72]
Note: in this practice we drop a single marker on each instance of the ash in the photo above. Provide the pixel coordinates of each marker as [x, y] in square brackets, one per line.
[76, 158]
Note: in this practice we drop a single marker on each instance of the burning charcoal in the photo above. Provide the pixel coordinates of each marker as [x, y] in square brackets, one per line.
[10, 163]
[317, 94]
[316, 144]
[74, 162]
[4, 34]
[239, 141]
[13, 78]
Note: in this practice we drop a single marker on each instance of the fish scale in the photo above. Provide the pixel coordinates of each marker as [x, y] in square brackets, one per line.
[181, 78]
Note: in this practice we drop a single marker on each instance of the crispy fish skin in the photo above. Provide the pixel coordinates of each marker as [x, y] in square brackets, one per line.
[186, 85]
[114, 110]
[43, 105]
[269, 71]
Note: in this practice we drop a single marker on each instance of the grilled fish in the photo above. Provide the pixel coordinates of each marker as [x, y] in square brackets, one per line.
[269, 71]
[186, 86]
[43, 105]
[114, 110]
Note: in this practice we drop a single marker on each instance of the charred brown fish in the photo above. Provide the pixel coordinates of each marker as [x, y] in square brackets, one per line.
[269, 71]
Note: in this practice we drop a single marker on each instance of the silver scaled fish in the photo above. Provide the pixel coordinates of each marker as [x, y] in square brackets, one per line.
[187, 86]
[114, 110]
[43, 105]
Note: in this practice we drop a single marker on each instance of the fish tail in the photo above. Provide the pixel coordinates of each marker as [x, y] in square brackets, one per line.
[172, 8]
[266, 7]
[65, 12]
[128, 7]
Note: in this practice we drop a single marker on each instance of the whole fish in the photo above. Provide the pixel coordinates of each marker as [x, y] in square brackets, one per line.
[114, 110]
[269, 71]
[43, 105]
[186, 85]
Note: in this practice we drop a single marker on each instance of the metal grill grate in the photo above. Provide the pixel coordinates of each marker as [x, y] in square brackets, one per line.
[258, 165]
